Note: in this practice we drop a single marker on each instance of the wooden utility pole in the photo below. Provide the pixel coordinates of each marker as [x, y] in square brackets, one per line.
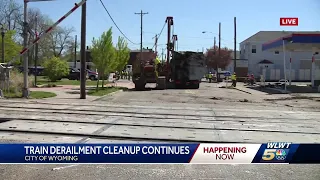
[25, 91]
[141, 16]
[156, 44]
[235, 45]
[219, 50]
[214, 46]
[75, 51]
[162, 55]
[36, 52]
[83, 52]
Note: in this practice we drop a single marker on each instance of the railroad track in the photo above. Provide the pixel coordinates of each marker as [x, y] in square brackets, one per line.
[112, 123]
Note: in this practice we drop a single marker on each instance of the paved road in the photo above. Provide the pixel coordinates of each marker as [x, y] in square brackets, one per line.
[204, 115]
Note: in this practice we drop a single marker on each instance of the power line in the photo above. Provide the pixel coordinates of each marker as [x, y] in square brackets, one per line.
[162, 29]
[115, 23]
[160, 33]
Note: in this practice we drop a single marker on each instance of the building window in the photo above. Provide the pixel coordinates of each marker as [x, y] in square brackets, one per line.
[254, 49]
[276, 52]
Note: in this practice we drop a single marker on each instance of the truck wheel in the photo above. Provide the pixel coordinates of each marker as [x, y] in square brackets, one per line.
[195, 86]
[161, 84]
[139, 86]
[92, 78]
[179, 86]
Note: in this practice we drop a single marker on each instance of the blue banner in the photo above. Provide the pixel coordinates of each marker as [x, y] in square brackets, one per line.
[272, 152]
[97, 153]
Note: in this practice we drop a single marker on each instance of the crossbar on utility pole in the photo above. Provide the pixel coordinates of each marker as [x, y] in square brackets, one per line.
[141, 18]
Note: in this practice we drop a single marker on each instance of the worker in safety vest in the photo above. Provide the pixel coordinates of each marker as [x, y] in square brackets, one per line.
[234, 79]
[210, 76]
[156, 64]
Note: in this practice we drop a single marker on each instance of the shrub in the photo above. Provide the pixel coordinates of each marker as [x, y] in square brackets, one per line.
[51, 85]
[16, 81]
[55, 68]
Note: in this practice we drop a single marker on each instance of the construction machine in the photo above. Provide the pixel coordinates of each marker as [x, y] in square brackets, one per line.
[181, 69]
[145, 69]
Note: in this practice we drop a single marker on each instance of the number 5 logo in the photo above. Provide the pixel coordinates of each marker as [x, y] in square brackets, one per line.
[268, 154]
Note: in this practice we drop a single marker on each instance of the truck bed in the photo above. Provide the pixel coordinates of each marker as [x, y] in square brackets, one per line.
[188, 65]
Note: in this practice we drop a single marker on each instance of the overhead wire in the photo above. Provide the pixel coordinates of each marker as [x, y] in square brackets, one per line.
[116, 23]
[159, 35]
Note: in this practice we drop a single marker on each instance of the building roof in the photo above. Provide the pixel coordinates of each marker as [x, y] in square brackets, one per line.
[295, 41]
[265, 61]
[265, 36]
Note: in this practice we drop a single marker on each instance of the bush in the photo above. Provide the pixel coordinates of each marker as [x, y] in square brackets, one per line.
[16, 81]
[51, 85]
[55, 68]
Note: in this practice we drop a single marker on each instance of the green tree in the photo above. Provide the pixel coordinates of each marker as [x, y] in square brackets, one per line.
[11, 48]
[103, 55]
[122, 54]
[55, 68]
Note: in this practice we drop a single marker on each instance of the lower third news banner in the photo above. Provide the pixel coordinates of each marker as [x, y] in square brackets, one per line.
[275, 152]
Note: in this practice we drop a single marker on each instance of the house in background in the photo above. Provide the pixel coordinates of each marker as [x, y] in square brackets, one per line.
[90, 65]
[270, 64]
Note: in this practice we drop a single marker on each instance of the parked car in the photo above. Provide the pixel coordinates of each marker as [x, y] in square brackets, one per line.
[281, 83]
[74, 74]
[92, 75]
[32, 70]
[39, 71]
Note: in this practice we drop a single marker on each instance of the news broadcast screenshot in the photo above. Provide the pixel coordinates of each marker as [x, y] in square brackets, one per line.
[120, 89]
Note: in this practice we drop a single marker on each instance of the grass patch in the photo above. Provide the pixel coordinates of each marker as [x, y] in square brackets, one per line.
[33, 95]
[103, 91]
[41, 94]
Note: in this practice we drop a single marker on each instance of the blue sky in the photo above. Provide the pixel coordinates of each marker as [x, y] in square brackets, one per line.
[191, 17]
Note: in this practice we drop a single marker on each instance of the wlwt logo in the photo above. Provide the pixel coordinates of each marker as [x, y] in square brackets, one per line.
[289, 21]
